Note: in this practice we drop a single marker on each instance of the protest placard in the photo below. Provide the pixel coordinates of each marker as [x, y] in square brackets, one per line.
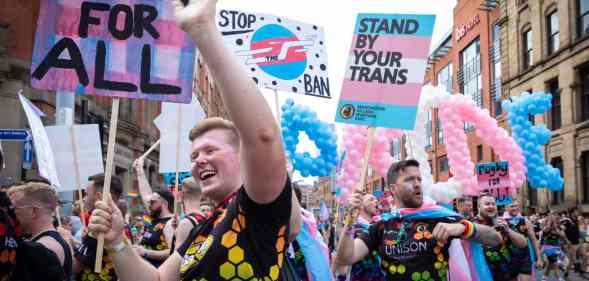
[89, 154]
[493, 177]
[113, 48]
[167, 123]
[43, 152]
[278, 53]
[385, 71]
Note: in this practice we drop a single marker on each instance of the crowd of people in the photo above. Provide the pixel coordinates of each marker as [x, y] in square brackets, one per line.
[258, 230]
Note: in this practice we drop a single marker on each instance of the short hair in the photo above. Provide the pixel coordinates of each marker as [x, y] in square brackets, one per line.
[213, 123]
[37, 192]
[192, 190]
[463, 199]
[400, 166]
[116, 186]
[168, 197]
[484, 194]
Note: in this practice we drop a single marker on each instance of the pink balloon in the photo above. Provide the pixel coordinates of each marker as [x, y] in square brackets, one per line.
[452, 112]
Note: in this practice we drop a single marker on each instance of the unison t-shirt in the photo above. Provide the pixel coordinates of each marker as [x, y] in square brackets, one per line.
[242, 240]
[408, 250]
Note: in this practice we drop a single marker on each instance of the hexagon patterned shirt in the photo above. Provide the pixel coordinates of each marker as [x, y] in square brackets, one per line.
[242, 240]
[407, 248]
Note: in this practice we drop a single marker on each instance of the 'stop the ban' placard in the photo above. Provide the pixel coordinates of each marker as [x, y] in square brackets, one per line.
[131, 49]
[385, 71]
[278, 53]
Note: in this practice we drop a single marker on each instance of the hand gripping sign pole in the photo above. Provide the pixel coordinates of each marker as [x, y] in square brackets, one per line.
[112, 133]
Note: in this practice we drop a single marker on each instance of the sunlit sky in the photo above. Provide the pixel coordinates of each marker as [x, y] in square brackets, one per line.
[338, 23]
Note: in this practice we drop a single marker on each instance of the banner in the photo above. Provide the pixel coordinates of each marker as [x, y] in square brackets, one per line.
[113, 48]
[43, 152]
[167, 123]
[89, 154]
[385, 72]
[278, 53]
[493, 177]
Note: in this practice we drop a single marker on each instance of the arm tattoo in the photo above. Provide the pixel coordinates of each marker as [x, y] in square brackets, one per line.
[486, 235]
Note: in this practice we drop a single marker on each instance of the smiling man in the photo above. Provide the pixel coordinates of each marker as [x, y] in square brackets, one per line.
[241, 166]
[413, 241]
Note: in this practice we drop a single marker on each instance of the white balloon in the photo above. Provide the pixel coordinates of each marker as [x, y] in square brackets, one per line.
[444, 192]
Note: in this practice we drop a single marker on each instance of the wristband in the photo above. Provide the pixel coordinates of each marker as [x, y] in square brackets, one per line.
[119, 247]
[469, 229]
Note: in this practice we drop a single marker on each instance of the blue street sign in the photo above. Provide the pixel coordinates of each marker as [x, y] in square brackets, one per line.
[14, 134]
[27, 156]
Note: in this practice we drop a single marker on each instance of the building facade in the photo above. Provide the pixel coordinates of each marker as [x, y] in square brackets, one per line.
[466, 61]
[136, 131]
[546, 48]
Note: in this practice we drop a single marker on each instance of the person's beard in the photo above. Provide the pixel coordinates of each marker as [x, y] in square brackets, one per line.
[155, 213]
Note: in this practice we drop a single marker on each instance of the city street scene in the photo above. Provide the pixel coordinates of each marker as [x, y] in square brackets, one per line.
[264, 140]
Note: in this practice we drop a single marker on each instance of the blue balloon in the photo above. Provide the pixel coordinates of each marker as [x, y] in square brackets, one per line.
[530, 138]
[296, 119]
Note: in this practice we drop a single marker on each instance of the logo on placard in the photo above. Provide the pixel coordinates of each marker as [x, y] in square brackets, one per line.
[278, 52]
[347, 111]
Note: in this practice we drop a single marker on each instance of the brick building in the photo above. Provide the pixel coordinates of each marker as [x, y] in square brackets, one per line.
[136, 131]
[545, 47]
[466, 61]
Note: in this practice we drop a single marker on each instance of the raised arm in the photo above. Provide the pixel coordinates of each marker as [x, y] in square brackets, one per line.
[535, 243]
[261, 150]
[350, 250]
[145, 190]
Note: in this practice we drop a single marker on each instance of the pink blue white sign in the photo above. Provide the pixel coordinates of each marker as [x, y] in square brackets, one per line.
[385, 71]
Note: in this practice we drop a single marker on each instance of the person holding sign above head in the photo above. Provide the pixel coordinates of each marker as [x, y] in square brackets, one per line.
[158, 235]
[499, 257]
[413, 241]
[240, 166]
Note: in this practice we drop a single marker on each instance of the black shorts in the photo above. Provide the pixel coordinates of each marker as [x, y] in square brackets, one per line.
[521, 267]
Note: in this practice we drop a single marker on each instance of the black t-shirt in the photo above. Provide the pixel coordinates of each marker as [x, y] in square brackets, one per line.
[240, 241]
[86, 255]
[408, 250]
[67, 260]
[518, 224]
[499, 257]
[571, 231]
[153, 236]
[9, 237]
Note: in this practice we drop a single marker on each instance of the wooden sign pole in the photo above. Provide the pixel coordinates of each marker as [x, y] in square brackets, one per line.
[177, 185]
[77, 174]
[112, 133]
[367, 152]
[151, 149]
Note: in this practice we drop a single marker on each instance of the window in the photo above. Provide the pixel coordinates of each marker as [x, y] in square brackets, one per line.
[479, 153]
[585, 175]
[496, 60]
[470, 63]
[439, 129]
[396, 149]
[583, 19]
[528, 51]
[584, 93]
[428, 129]
[557, 196]
[443, 164]
[555, 118]
[445, 77]
[552, 28]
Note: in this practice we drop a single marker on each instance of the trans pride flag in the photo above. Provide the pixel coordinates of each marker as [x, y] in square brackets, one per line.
[385, 71]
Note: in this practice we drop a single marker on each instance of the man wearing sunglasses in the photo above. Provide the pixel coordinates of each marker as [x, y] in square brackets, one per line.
[157, 238]
[34, 203]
